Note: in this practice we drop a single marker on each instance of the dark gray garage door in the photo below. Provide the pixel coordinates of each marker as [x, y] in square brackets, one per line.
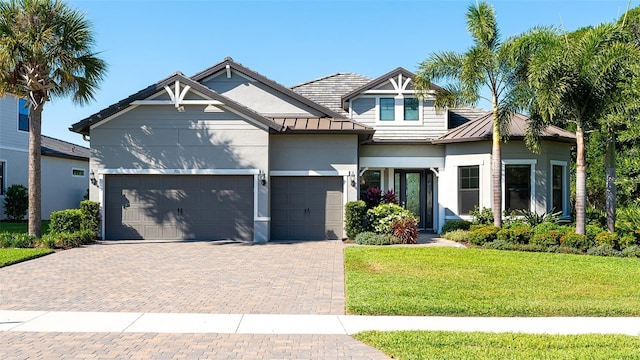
[201, 207]
[306, 208]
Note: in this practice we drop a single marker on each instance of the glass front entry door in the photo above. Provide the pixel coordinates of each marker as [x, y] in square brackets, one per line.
[414, 189]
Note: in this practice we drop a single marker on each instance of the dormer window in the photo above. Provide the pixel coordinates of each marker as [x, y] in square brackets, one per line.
[398, 109]
[387, 109]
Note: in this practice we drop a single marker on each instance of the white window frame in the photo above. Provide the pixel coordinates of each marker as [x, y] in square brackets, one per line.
[399, 111]
[565, 186]
[532, 169]
[84, 172]
[458, 187]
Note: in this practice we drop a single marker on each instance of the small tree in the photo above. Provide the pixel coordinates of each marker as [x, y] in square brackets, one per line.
[16, 202]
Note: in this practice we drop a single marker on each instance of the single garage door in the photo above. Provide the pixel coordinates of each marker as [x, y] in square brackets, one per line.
[306, 208]
[168, 207]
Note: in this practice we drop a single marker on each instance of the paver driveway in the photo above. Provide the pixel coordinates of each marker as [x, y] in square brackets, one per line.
[186, 277]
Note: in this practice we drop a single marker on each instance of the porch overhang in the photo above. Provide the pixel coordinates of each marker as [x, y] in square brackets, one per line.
[398, 162]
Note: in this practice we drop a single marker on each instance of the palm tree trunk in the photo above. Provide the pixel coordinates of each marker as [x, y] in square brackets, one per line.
[496, 169]
[35, 175]
[581, 184]
[610, 168]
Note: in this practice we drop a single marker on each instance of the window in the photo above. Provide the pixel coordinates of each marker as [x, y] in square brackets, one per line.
[77, 172]
[558, 186]
[1, 177]
[468, 188]
[387, 109]
[411, 109]
[23, 115]
[517, 179]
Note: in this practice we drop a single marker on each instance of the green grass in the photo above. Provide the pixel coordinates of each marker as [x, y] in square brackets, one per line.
[13, 256]
[408, 345]
[21, 226]
[477, 282]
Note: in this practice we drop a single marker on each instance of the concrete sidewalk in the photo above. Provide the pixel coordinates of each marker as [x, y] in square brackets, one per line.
[179, 323]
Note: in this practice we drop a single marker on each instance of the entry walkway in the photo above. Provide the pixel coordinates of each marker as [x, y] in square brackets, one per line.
[177, 323]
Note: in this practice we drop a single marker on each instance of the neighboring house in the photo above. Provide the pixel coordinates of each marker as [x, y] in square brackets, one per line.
[231, 154]
[64, 166]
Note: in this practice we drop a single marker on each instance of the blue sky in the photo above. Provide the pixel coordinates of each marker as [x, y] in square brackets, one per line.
[289, 41]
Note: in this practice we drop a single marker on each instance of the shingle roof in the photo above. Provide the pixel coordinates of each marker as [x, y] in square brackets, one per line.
[481, 129]
[58, 148]
[327, 90]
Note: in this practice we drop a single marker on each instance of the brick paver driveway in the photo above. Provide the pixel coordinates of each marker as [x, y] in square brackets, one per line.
[185, 277]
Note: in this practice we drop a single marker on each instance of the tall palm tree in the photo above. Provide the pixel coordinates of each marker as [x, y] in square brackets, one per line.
[579, 79]
[486, 65]
[45, 52]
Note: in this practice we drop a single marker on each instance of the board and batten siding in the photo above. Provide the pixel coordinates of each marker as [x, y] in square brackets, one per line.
[257, 96]
[434, 124]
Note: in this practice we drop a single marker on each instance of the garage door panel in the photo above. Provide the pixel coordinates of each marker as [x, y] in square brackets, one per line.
[179, 207]
[306, 208]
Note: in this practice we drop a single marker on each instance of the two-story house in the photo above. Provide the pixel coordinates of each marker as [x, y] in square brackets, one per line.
[64, 166]
[230, 154]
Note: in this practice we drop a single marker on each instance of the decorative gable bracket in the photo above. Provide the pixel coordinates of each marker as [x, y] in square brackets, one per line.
[177, 96]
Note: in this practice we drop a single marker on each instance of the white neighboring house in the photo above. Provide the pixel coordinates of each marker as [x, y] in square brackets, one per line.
[65, 166]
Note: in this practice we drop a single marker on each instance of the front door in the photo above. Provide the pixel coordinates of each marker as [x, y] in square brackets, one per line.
[414, 189]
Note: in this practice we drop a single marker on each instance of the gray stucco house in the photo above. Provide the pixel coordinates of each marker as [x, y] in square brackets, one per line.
[228, 153]
[64, 166]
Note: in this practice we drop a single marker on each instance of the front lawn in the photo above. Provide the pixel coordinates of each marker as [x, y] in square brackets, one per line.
[13, 256]
[476, 282]
[407, 345]
[21, 227]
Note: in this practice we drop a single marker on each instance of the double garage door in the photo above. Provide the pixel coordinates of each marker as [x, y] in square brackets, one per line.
[212, 207]
[169, 207]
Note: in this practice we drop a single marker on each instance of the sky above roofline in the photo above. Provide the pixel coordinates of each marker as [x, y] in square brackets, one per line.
[290, 41]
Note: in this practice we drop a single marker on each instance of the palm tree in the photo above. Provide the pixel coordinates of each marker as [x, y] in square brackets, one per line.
[485, 65]
[579, 79]
[45, 52]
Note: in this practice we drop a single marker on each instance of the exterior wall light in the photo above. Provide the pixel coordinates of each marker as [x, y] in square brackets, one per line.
[352, 178]
[263, 178]
[92, 177]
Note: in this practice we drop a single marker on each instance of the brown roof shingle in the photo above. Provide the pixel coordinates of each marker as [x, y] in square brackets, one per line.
[327, 90]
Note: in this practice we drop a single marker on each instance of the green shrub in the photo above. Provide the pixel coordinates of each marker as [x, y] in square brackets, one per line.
[90, 216]
[505, 245]
[628, 221]
[405, 229]
[518, 235]
[371, 238]
[596, 217]
[16, 202]
[456, 235]
[65, 221]
[606, 238]
[354, 218]
[457, 224]
[482, 216]
[577, 241]
[546, 239]
[382, 216]
[482, 235]
[545, 227]
[632, 251]
[67, 239]
[533, 218]
[603, 250]
[16, 240]
[627, 240]
[592, 230]
[516, 224]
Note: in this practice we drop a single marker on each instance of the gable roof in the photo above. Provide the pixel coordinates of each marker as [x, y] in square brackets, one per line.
[379, 81]
[481, 129]
[83, 125]
[58, 148]
[228, 61]
[328, 90]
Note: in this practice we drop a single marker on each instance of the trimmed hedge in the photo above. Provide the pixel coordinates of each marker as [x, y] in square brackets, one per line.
[65, 221]
[354, 218]
[371, 238]
[479, 235]
[457, 224]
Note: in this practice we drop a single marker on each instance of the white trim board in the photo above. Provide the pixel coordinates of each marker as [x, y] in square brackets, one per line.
[309, 173]
[179, 171]
[398, 162]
